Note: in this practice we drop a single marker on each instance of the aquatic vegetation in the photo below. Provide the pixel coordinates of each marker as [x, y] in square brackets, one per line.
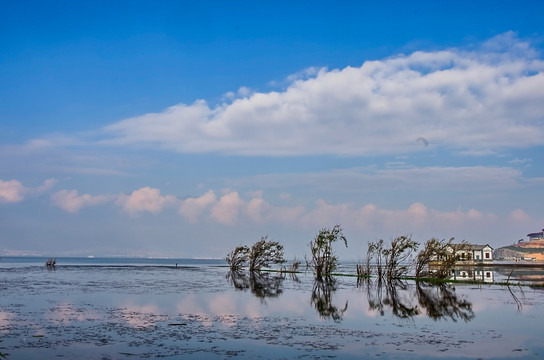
[323, 261]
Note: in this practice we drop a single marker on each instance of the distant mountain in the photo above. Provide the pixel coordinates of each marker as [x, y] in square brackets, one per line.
[527, 249]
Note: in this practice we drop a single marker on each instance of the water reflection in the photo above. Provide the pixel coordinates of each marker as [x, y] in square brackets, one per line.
[518, 302]
[438, 300]
[393, 294]
[322, 300]
[525, 274]
[262, 285]
[478, 274]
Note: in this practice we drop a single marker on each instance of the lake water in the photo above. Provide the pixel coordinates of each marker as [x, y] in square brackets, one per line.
[149, 308]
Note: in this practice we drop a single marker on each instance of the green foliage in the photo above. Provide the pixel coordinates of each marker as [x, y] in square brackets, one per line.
[323, 261]
[264, 253]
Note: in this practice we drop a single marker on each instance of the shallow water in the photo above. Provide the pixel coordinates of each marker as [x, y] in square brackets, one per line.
[119, 309]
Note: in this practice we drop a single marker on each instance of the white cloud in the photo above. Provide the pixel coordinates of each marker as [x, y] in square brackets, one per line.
[191, 208]
[72, 202]
[226, 210]
[474, 101]
[13, 191]
[519, 216]
[145, 199]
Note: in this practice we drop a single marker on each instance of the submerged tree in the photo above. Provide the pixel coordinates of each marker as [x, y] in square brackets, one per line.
[398, 257]
[323, 261]
[264, 253]
[375, 253]
[238, 258]
[438, 258]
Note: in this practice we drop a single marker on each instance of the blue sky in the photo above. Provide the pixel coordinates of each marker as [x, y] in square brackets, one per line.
[188, 128]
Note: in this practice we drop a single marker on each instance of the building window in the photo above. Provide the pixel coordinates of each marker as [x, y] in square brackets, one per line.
[487, 255]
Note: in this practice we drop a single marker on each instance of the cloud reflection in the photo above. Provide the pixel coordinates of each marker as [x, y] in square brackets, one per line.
[67, 312]
[5, 321]
[142, 316]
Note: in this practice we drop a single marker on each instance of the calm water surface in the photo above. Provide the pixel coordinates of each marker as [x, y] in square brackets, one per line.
[149, 308]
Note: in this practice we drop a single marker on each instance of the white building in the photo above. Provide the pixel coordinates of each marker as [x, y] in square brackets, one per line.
[536, 236]
[474, 254]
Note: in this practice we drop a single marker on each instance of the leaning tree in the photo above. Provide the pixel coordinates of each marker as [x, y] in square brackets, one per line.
[264, 253]
[323, 261]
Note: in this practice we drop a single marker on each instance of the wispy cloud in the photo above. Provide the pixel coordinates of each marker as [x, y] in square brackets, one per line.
[475, 101]
[408, 178]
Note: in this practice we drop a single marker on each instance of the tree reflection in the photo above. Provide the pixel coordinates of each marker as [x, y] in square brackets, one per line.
[398, 298]
[322, 300]
[393, 294]
[374, 294]
[262, 285]
[440, 302]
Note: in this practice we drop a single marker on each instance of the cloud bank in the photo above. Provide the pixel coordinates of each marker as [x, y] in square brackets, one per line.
[473, 101]
[230, 209]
